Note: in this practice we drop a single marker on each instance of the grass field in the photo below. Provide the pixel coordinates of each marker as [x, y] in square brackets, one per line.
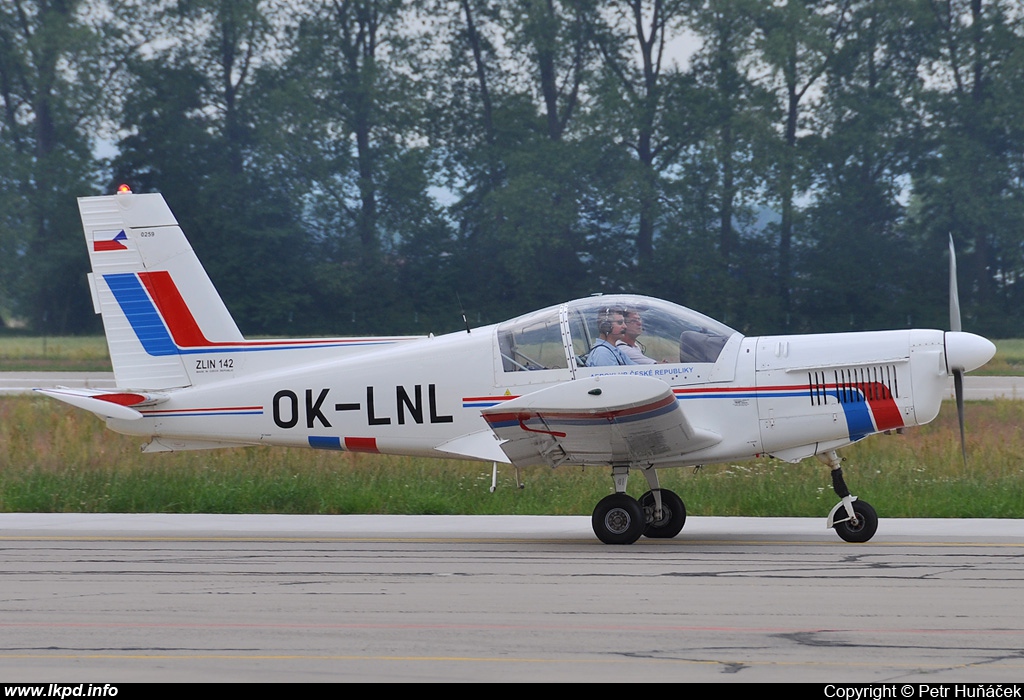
[1008, 362]
[58, 459]
[89, 354]
[68, 354]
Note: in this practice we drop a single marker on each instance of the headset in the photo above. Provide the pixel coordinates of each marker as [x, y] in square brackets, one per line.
[604, 319]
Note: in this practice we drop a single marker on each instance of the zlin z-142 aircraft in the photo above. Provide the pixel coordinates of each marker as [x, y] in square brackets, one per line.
[624, 382]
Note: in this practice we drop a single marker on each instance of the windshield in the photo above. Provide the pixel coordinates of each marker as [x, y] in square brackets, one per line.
[646, 330]
[532, 342]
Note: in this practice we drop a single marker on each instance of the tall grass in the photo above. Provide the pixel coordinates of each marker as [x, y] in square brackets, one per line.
[57, 459]
[1009, 359]
[69, 354]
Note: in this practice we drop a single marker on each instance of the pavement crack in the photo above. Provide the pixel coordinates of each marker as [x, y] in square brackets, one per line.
[729, 667]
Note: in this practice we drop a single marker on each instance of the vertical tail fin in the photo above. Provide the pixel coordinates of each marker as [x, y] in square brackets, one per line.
[156, 299]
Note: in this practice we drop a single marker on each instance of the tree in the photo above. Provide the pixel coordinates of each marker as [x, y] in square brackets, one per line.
[733, 153]
[351, 120]
[970, 184]
[647, 103]
[55, 63]
[190, 134]
[865, 145]
[798, 41]
[522, 168]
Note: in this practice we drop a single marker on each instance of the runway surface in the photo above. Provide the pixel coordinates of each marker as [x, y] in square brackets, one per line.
[122, 598]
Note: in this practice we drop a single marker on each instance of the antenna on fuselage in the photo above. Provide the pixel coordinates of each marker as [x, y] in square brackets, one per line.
[465, 322]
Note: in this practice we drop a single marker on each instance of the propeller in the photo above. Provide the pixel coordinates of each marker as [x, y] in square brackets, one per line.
[956, 325]
[954, 295]
[964, 351]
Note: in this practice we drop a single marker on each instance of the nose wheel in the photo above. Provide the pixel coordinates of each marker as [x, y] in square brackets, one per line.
[859, 528]
[853, 520]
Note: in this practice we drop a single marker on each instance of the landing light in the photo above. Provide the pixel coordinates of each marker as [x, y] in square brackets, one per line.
[124, 189]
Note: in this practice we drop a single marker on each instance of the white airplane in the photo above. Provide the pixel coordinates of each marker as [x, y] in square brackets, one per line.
[551, 387]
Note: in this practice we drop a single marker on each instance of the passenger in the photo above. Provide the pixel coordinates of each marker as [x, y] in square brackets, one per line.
[610, 326]
[628, 344]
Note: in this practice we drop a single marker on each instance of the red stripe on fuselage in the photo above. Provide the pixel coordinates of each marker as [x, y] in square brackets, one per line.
[883, 405]
[877, 395]
[361, 444]
[170, 411]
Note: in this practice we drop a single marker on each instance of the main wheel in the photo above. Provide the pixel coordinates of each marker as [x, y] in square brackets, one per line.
[864, 529]
[618, 519]
[673, 514]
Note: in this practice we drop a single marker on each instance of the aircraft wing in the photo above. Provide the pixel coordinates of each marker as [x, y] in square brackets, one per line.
[617, 419]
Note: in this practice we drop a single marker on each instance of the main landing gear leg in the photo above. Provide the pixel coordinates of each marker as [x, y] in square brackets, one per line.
[618, 518]
[854, 520]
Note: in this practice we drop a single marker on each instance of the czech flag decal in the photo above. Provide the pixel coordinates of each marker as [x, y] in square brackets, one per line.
[100, 245]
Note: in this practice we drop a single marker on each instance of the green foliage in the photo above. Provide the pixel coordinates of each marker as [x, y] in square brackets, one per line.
[44, 53]
[968, 181]
[362, 166]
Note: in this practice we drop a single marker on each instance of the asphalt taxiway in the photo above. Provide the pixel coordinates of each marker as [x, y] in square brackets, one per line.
[128, 598]
[140, 598]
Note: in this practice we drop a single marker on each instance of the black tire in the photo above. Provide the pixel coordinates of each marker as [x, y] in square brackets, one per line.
[864, 529]
[618, 519]
[673, 515]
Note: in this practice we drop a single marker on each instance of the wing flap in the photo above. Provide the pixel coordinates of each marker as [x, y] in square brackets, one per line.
[596, 421]
[482, 445]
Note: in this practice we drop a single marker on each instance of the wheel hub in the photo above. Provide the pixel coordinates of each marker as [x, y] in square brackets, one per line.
[666, 516]
[617, 521]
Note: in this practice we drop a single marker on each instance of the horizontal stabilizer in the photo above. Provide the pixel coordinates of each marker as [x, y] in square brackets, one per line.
[108, 404]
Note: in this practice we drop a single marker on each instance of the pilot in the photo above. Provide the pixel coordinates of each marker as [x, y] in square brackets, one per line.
[611, 325]
[628, 344]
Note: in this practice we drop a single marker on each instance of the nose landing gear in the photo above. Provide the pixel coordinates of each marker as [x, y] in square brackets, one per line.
[853, 520]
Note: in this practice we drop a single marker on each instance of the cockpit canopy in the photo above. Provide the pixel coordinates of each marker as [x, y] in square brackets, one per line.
[553, 337]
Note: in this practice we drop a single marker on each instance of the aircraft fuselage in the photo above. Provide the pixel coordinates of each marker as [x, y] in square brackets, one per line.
[790, 396]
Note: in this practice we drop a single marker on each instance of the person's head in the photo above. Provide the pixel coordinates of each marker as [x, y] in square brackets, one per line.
[610, 323]
[634, 324]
